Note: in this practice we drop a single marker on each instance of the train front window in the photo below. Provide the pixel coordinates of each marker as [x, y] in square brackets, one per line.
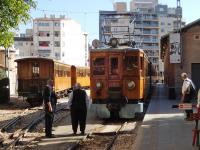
[36, 70]
[98, 66]
[114, 65]
[131, 62]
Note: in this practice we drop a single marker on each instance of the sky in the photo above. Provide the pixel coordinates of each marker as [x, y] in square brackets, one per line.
[86, 12]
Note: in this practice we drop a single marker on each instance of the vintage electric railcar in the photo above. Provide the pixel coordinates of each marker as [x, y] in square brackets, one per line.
[120, 81]
[33, 73]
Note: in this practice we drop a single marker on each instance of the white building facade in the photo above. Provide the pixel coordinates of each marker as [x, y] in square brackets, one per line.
[24, 44]
[59, 38]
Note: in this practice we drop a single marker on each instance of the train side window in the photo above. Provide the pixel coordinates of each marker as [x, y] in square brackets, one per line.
[114, 65]
[98, 61]
[36, 70]
[98, 66]
[141, 63]
[131, 62]
[68, 73]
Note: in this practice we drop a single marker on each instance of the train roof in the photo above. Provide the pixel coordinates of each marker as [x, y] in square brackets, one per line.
[39, 58]
[45, 58]
[32, 57]
[118, 49]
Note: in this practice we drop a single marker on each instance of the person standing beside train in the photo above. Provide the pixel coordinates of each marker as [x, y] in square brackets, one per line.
[187, 92]
[53, 101]
[47, 96]
[78, 104]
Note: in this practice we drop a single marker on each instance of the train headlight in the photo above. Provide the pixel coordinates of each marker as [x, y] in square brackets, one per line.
[99, 85]
[130, 84]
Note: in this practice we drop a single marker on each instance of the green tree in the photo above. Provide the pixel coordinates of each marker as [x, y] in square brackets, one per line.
[13, 12]
[6, 39]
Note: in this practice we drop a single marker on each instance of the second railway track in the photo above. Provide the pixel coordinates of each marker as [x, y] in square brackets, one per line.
[16, 129]
[102, 138]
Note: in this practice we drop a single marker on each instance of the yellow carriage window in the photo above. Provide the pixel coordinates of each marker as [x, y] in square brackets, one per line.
[98, 66]
[131, 62]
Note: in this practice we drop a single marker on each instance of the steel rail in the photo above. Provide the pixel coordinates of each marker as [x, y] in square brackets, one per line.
[22, 132]
[115, 137]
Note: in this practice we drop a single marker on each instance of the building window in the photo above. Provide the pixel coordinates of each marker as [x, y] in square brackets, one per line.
[196, 37]
[63, 54]
[57, 24]
[161, 9]
[44, 33]
[57, 43]
[162, 23]
[57, 55]
[43, 24]
[56, 33]
[44, 43]
[36, 70]
[162, 30]
[20, 44]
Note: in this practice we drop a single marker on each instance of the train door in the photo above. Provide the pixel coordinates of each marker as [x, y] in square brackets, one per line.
[114, 67]
[114, 77]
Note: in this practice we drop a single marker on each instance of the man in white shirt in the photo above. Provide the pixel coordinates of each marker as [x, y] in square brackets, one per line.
[186, 92]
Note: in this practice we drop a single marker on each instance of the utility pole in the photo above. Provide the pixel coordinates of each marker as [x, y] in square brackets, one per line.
[179, 22]
[86, 50]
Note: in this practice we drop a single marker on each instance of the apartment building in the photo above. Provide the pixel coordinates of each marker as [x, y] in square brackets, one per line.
[146, 36]
[145, 23]
[23, 43]
[59, 38]
[142, 4]
[115, 24]
[141, 27]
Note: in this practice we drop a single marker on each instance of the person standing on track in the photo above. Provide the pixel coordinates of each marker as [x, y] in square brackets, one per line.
[47, 96]
[78, 104]
[187, 92]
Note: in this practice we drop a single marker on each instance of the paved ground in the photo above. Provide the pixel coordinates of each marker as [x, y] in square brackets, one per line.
[164, 128]
[63, 133]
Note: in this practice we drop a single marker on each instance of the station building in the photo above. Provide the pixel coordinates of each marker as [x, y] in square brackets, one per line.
[180, 52]
[11, 73]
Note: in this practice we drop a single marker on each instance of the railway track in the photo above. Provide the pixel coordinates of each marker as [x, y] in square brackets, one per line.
[100, 138]
[13, 138]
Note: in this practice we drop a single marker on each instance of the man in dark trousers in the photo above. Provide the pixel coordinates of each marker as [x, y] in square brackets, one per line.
[186, 92]
[48, 90]
[78, 103]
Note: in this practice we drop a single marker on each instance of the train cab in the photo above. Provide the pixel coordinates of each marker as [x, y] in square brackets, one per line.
[119, 81]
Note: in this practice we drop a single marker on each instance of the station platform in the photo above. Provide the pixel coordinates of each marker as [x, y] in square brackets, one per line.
[164, 127]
